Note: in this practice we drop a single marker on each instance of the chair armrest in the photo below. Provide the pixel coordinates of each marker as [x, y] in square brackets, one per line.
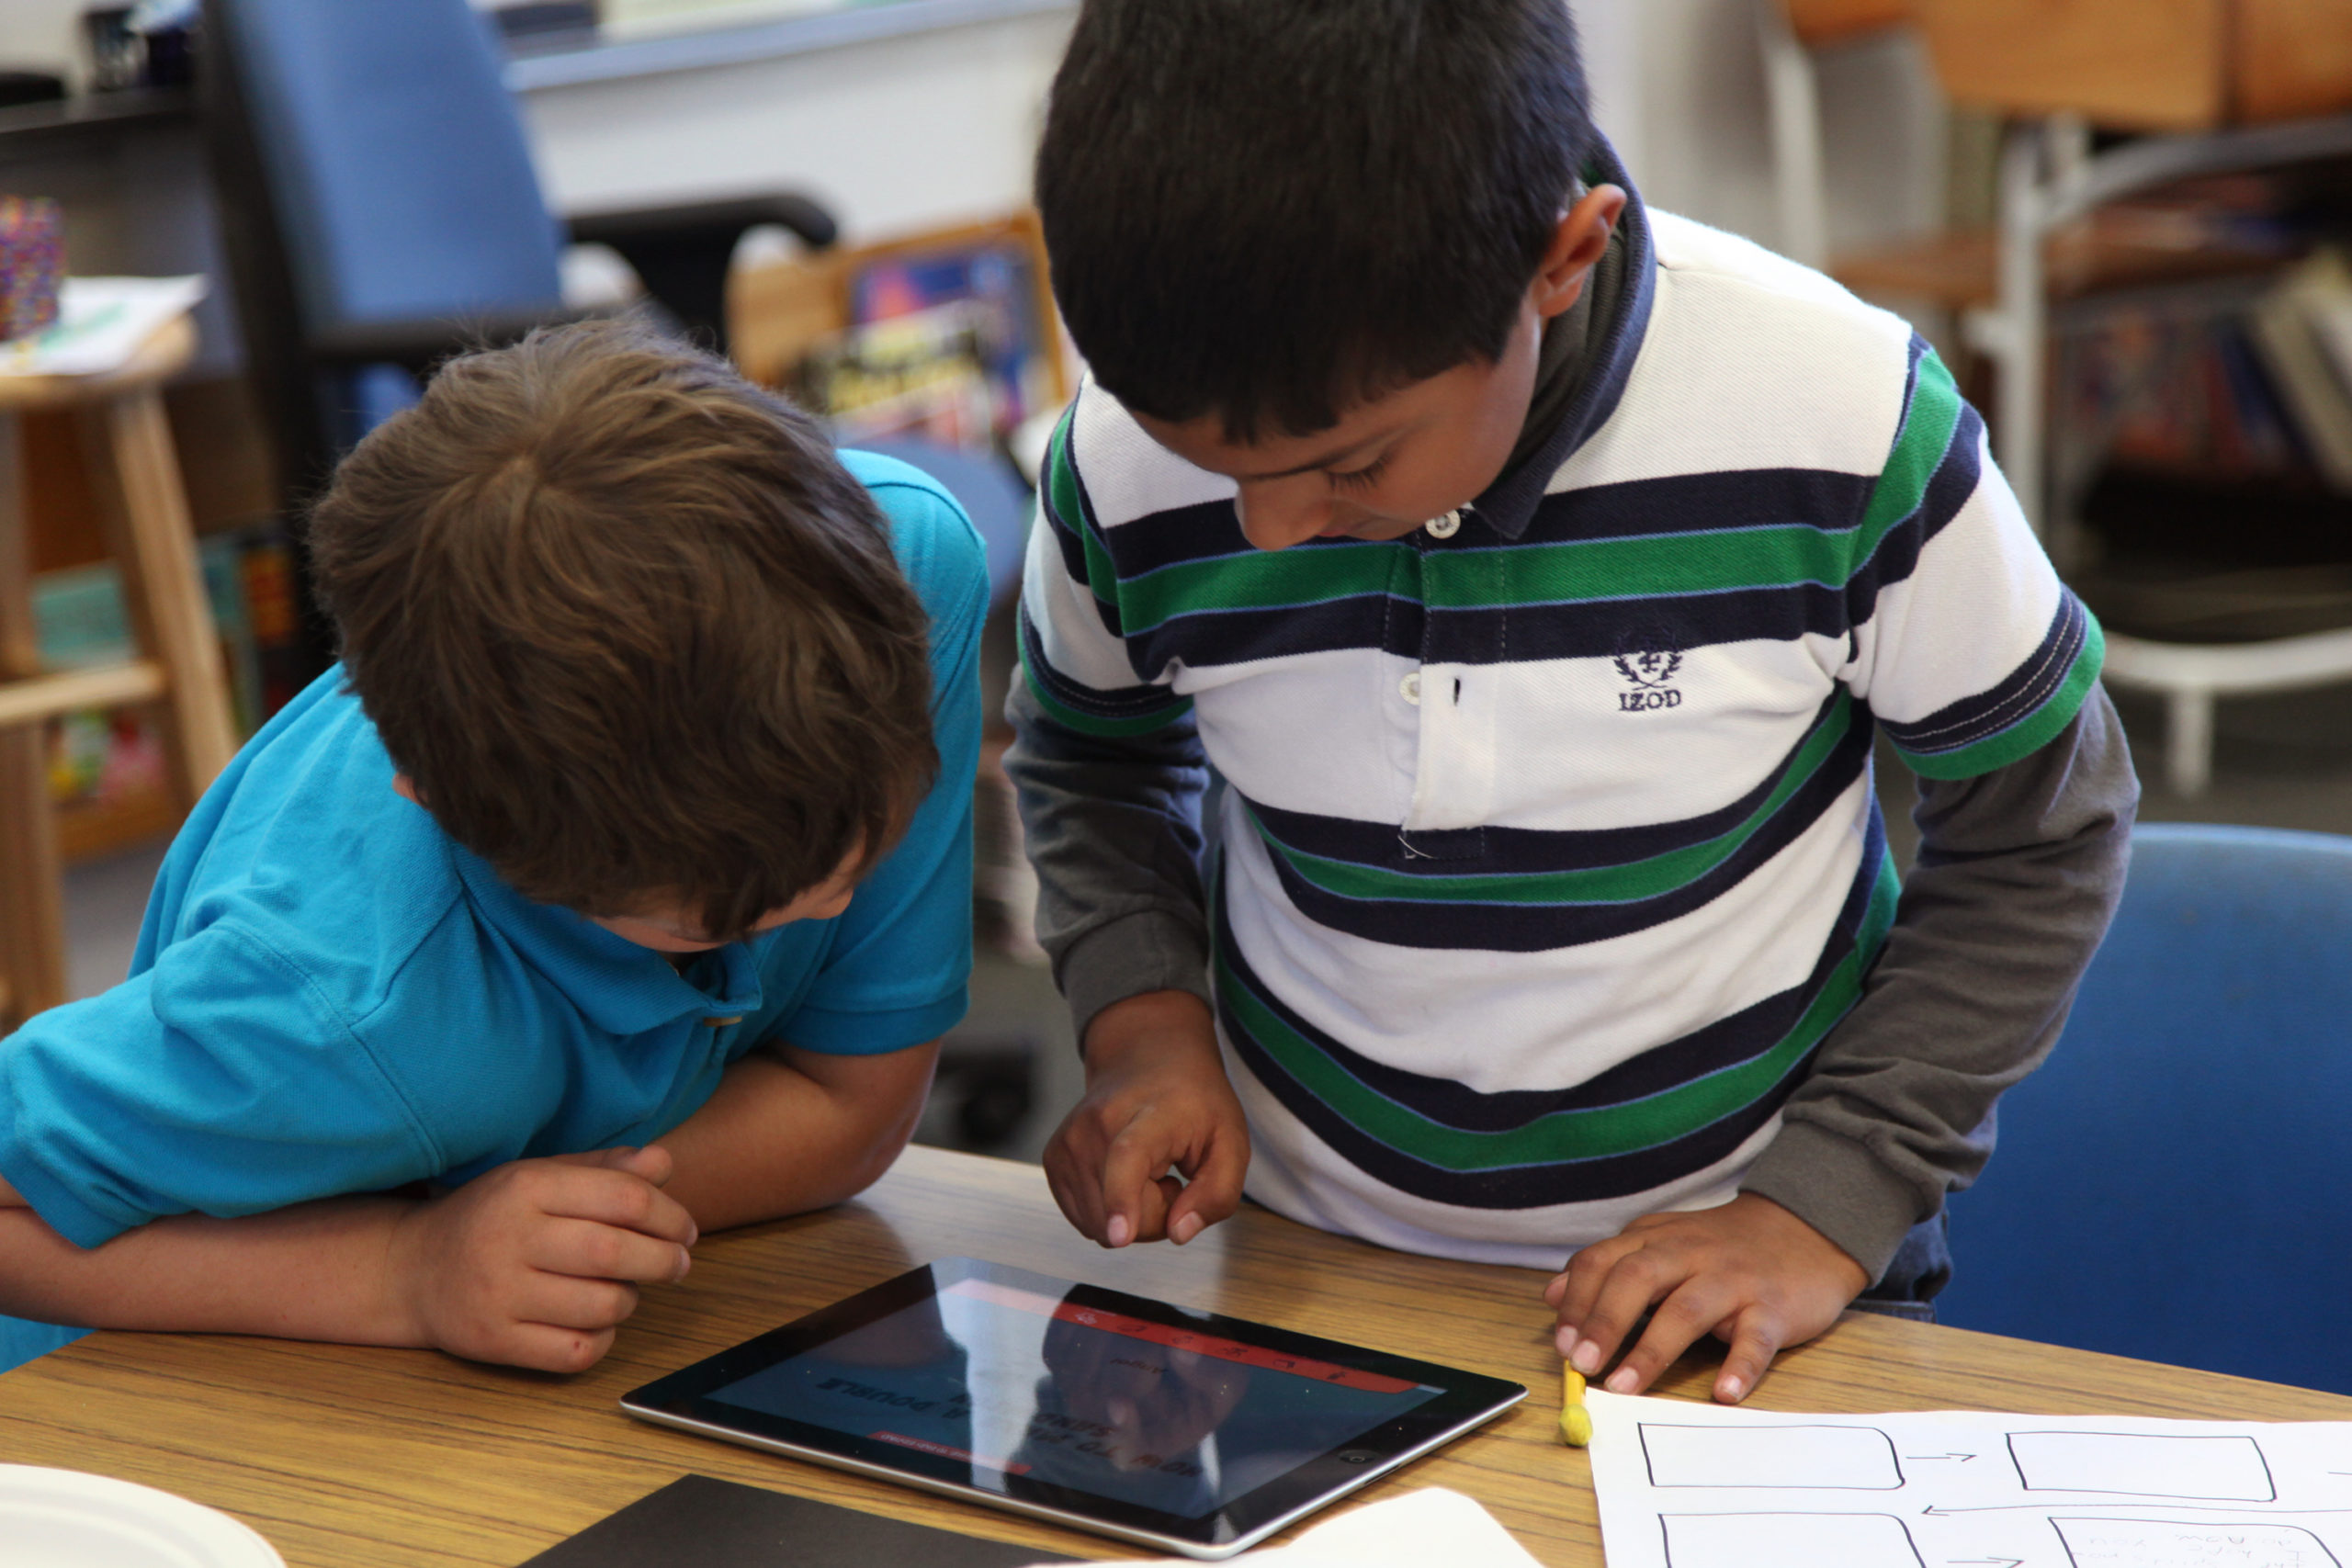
[695, 219]
[423, 344]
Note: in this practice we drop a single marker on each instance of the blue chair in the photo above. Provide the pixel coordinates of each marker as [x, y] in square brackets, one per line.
[380, 211]
[989, 491]
[2172, 1185]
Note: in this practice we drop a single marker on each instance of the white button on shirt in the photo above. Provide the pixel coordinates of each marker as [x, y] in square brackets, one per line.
[1444, 527]
[1411, 687]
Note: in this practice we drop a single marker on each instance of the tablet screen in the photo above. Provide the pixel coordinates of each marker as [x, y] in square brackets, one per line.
[1152, 1422]
[1021, 1383]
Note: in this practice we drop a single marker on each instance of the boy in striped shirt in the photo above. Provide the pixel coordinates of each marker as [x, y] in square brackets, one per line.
[1534, 570]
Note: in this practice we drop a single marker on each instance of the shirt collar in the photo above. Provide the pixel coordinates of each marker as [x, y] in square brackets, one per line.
[1611, 344]
[618, 987]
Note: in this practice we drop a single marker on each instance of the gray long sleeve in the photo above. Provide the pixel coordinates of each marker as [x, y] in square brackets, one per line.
[2018, 874]
[1114, 828]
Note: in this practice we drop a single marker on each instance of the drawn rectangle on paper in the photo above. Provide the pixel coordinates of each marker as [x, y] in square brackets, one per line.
[1788, 1541]
[2225, 1469]
[2166, 1543]
[1845, 1458]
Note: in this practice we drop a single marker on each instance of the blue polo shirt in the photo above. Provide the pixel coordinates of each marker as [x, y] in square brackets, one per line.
[332, 996]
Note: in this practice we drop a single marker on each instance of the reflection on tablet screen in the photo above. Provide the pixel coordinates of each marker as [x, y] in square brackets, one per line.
[1016, 1382]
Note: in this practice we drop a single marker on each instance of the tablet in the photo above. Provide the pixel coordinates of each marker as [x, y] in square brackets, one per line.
[1181, 1430]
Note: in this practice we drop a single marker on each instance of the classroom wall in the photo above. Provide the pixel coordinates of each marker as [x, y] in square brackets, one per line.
[893, 135]
[1678, 87]
[41, 35]
[911, 133]
[905, 133]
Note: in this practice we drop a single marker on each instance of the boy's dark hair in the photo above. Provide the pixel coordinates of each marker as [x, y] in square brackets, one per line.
[1273, 210]
[629, 628]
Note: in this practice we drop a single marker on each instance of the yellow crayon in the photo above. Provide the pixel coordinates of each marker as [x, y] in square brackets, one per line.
[1576, 1421]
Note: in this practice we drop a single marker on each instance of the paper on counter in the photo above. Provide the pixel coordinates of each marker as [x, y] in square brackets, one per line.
[1683, 1485]
[1418, 1529]
[102, 324]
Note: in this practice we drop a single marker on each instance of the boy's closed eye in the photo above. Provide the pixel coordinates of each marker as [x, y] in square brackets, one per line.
[1365, 478]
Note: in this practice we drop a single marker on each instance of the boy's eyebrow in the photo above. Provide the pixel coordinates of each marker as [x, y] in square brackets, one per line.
[1324, 461]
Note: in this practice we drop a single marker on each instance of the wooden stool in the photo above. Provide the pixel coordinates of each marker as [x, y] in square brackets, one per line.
[129, 450]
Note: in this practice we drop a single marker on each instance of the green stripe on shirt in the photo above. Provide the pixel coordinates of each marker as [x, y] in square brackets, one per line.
[2029, 734]
[1572, 1134]
[1649, 878]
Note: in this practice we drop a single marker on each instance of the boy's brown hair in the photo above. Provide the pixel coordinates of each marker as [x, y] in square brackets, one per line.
[629, 628]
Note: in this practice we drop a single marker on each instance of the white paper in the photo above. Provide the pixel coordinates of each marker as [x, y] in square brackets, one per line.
[1691, 1485]
[101, 324]
[1418, 1529]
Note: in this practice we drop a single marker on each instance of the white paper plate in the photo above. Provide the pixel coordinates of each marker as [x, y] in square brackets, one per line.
[62, 1518]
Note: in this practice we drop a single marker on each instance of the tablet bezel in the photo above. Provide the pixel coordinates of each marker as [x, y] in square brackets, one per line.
[682, 1399]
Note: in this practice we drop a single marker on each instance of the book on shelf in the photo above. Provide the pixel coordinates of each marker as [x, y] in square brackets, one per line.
[949, 337]
[2178, 386]
[107, 767]
[2303, 328]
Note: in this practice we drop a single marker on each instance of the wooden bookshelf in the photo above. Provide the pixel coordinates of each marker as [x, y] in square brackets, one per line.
[94, 831]
[228, 467]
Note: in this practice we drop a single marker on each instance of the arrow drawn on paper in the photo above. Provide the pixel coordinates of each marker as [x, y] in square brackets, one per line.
[1987, 1562]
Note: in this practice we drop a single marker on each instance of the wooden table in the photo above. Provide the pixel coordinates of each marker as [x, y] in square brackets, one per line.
[347, 1456]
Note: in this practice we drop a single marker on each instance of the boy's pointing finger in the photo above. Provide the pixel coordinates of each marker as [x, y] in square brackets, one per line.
[1134, 1206]
[1212, 1194]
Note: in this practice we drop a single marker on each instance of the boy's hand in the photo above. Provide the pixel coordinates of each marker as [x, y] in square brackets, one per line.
[1156, 1097]
[533, 1264]
[1751, 1272]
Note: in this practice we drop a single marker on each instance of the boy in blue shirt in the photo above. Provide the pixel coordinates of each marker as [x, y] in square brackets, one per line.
[1534, 567]
[614, 889]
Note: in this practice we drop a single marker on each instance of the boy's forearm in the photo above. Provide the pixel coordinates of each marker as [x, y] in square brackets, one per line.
[321, 1270]
[2018, 874]
[1114, 829]
[789, 1130]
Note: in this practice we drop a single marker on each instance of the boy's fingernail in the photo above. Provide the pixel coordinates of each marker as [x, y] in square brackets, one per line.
[1586, 1358]
[1621, 1380]
[1185, 1229]
[1730, 1389]
[686, 1261]
[1565, 1341]
[1118, 1231]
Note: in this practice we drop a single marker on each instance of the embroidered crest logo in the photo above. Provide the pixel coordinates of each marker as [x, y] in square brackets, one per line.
[1648, 660]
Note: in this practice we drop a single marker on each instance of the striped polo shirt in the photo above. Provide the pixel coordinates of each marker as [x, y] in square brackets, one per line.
[1550, 853]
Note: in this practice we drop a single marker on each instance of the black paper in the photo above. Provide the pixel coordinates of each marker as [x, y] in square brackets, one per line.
[699, 1522]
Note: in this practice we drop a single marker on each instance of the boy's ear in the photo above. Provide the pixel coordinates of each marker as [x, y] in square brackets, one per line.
[1579, 242]
[406, 790]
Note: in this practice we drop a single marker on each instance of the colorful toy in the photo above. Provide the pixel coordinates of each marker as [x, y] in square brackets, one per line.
[32, 261]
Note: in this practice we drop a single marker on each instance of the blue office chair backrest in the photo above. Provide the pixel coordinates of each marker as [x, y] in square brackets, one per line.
[989, 491]
[2172, 1184]
[395, 158]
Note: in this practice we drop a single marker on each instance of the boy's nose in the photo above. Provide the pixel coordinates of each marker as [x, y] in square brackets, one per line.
[1276, 516]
